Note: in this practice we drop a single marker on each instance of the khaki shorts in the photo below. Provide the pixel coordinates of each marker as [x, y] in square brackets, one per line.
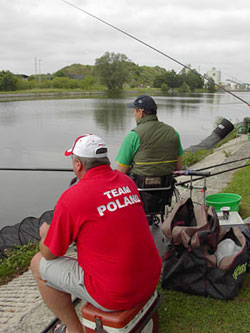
[65, 274]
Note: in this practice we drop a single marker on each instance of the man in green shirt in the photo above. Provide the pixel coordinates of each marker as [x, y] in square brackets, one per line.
[150, 153]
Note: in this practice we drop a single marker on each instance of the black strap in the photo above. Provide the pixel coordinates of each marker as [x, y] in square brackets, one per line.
[99, 327]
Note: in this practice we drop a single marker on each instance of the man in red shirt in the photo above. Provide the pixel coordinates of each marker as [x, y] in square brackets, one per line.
[118, 265]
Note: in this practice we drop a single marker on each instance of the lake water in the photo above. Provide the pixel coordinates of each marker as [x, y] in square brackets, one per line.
[36, 133]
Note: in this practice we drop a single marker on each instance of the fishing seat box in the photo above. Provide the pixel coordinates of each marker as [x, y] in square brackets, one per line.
[144, 317]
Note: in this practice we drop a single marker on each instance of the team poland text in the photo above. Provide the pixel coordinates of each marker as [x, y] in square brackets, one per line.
[117, 203]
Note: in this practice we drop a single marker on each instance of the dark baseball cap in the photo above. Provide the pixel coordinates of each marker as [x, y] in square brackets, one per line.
[144, 102]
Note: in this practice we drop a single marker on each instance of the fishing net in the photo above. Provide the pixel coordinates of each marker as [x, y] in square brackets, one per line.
[27, 231]
[221, 131]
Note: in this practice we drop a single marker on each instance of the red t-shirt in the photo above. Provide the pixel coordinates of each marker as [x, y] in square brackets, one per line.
[103, 214]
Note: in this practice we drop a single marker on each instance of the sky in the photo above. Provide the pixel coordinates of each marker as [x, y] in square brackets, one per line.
[43, 36]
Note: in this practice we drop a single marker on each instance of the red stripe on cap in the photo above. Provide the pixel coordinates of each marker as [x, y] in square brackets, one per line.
[70, 151]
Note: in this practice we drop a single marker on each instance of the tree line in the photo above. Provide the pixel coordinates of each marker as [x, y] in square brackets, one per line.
[113, 72]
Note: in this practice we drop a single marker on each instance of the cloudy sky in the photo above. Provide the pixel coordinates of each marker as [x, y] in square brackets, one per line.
[52, 34]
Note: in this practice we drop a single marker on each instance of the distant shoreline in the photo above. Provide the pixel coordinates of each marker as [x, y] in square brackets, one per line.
[32, 95]
[38, 95]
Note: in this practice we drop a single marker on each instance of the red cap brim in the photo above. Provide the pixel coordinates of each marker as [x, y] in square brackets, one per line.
[68, 152]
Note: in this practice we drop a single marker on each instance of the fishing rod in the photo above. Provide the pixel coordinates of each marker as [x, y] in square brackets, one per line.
[70, 170]
[225, 163]
[155, 49]
[35, 169]
[211, 175]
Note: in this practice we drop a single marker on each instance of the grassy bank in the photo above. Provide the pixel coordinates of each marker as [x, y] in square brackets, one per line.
[181, 312]
[240, 185]
[98, 89]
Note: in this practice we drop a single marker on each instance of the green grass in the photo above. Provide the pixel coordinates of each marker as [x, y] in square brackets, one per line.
[189, 158]
[17, 261]
[240, 185]
[232, 135]
[181, 312]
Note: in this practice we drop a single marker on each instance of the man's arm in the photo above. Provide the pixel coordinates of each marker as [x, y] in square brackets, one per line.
[180, 153]
[127, 151]
[122, 168]
[45, 251]
[179, 163]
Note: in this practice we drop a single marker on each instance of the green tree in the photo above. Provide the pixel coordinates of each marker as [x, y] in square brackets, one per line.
[24, 84]
[59, 73]
[113, 70]
[61, 82]
[8, 81]
[193, 79]
[184, 88]
[210, 85]
[173, 80]
[170, 78]
[159, 81]
[88, 82]
[164, 88]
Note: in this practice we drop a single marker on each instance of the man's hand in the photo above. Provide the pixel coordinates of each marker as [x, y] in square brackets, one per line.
[45, 251]
[43, 229]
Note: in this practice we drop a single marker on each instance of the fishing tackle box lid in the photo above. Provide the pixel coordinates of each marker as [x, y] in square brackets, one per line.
[119, 321]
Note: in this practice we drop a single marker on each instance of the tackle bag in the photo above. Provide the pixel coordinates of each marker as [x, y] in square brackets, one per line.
[246, 233]
[202, 258]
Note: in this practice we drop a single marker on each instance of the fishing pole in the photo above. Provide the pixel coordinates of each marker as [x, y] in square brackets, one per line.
[70, 170]
[211, 175]
[155, 49]
[35, 169]
[221, 164]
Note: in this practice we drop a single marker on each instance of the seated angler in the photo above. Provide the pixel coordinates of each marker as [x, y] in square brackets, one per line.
[117, 265]
[149, 154]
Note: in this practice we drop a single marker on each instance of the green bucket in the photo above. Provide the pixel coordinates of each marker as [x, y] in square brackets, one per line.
[220, 200]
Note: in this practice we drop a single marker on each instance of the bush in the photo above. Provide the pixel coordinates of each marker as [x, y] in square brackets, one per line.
[164, 87]
[184, 88]
[8, 81]
[24, 84]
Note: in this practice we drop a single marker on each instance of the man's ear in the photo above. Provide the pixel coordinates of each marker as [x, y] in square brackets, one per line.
[78, 164]
[142, 113]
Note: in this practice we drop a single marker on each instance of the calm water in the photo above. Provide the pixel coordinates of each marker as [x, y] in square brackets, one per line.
[36, 134]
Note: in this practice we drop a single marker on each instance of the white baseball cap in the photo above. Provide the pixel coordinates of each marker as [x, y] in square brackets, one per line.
[88, 145]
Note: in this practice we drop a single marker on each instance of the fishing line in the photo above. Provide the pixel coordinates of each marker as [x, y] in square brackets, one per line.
[155, 49]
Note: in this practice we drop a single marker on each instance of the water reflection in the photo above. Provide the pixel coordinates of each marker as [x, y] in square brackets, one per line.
[8, 116]
[111, 115]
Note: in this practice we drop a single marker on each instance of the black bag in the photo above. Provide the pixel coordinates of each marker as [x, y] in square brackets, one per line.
[195, 261]
[246, 233]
